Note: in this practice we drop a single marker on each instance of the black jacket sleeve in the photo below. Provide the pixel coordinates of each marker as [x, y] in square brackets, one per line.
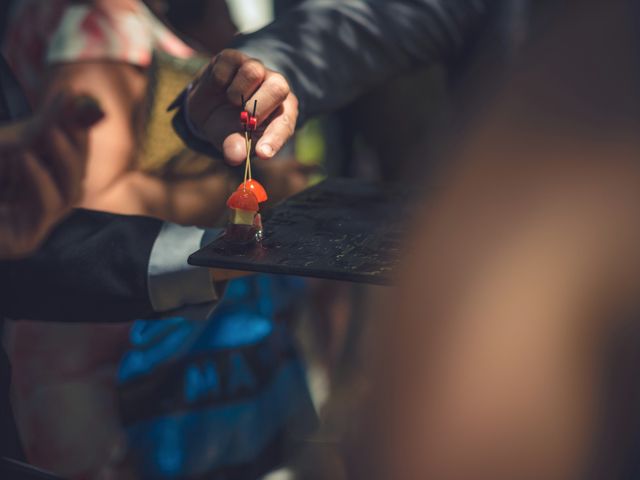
[333, 51]
[92, 268]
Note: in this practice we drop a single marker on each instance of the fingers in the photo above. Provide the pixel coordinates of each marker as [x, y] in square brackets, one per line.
[234, 149]
[223, 130]
[42, 170]
[270, 96]
[44, 202]
[279, 130]
[250, 76]
[65, 162]
[26, 219]
[210, 91]
[59, 138]
[73, 114]
[222, 126]
[213, 105]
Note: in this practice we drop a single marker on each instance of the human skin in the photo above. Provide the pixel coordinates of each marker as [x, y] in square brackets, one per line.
[216, 99]
[76, 386]
[493, 355]
[42, 165]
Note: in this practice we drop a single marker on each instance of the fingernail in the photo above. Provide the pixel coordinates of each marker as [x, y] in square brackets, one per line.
[267, 150]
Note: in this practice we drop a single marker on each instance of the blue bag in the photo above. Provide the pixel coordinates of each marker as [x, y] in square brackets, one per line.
[225, 398]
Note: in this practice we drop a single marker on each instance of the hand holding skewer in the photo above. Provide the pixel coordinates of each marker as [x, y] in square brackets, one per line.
[216, 95]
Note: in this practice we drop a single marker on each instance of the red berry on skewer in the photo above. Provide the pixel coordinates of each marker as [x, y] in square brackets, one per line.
[244, 205]
[256, 188]
[243, 200]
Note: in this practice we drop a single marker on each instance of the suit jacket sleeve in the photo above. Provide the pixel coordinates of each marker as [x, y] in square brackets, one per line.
[93, 267]
[333, 51]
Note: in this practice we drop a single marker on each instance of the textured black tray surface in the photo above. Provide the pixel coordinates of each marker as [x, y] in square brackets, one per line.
[340, 229]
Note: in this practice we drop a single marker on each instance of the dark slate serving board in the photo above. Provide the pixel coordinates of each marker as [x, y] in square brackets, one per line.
[340, 229]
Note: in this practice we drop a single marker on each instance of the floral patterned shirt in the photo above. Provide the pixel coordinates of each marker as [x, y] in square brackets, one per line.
[42, 33]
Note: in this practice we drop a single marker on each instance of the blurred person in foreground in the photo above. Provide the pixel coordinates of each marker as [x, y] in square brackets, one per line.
[37, 193]
[42, 162]
[517, 353]
[122, 54]
[118, 51]
[526, 267]
[509, 348]
[110, 50]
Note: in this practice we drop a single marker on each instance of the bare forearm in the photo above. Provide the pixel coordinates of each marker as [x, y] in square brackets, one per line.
[197, 201]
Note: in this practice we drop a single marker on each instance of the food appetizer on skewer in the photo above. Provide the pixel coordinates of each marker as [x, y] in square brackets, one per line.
[245, 223]
[244, 207]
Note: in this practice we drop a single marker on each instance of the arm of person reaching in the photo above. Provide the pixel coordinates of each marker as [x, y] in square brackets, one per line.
[112, 63]
[113, 182]
[129, 266]
[113, 145]
[108, 268]
[316, 58]
[42, 163]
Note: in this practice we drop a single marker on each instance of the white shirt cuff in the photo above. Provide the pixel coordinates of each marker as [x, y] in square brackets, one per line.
[172, 282]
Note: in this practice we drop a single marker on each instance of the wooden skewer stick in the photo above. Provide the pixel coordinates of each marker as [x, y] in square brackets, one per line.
[255, 108]
[247, 162]
[248, 142]
[249, 156]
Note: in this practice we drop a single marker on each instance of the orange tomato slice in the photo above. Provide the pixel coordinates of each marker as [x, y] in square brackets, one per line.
[254, 187]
